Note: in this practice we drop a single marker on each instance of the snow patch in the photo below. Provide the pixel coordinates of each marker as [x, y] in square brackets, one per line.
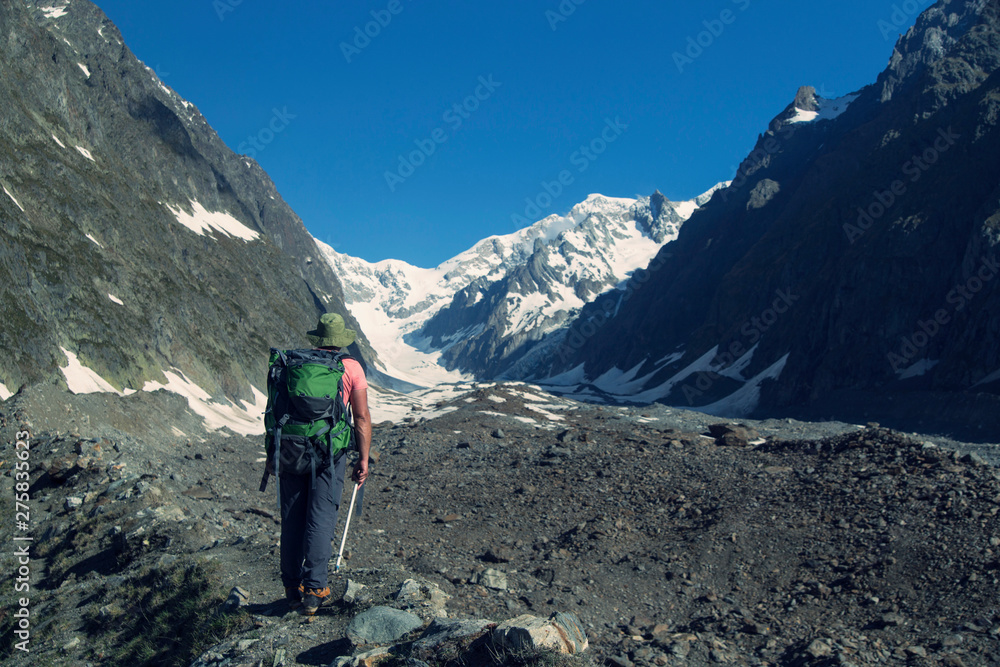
[84, 68]
[95, 241]
[5, 393]
[13, 199]
[828, 109]
[85, 153]
[551, 416]
[54, 12]
[116, 299]
[56, 139]
[244, 419]
[992, 377]
[736, 370]
[573, 376]
[918, 369]
[83, 380]
[743, 401]
[201, 221]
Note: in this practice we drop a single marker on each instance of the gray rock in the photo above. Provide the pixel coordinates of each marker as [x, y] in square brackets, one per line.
[353, 592]
[382, 625]
[492, 578]
[238, 597]
[442, 631]
[819, 649]
[975, 458]
[892, 619]
[423, 596]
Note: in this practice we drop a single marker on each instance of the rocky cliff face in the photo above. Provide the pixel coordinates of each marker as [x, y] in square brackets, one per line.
[134, 240]
[854, 250]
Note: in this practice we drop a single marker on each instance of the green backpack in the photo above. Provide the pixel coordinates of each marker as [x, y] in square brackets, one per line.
[307, 419]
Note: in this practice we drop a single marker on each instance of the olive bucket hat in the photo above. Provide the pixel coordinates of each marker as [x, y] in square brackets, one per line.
[331, 332]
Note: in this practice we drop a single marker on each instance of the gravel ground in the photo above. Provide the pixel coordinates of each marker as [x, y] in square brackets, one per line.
[778, 542]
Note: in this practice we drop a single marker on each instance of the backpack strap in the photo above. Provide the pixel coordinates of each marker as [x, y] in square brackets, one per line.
[277, 455]
[276, 378]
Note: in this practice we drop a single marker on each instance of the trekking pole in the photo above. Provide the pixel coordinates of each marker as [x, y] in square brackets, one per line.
[347, 525]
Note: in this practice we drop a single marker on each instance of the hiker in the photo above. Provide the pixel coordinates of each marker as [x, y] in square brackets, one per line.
[310, 501]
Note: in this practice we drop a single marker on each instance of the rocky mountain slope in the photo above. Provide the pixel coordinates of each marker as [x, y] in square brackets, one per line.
[477, 313]
[137, 250]
[672, 539]
[855, 251]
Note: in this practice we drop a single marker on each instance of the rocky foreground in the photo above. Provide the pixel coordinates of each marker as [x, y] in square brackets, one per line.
[673, 540]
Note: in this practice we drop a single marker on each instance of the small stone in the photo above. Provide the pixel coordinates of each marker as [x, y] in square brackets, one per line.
[680, 649]
[916, 651]
[498, 433]
[353, 591]
[73, 502]
[819, 649]
[238, 597]
[973, 457]
[492, 578]
[892, 620]
[660, 629]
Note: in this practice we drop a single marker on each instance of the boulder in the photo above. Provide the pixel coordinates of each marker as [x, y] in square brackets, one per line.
[733, 435]
[441, 632]
[561, 632]
[382, 625]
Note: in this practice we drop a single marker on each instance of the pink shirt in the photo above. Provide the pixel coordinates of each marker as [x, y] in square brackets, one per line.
[354, 378]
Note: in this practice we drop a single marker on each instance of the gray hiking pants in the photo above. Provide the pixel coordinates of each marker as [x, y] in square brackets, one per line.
[308, 519]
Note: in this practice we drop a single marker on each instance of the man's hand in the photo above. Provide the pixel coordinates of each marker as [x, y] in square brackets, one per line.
[360, 473]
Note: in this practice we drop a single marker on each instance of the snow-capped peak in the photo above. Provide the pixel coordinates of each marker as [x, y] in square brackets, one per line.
[809, 107]
[598, 243]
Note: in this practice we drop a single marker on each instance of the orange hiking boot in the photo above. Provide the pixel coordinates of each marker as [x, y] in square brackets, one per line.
[314, 598]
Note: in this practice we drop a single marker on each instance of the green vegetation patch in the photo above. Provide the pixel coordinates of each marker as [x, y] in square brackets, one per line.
[163, 616]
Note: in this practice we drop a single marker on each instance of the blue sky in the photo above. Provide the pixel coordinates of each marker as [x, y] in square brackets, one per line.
[411, 130]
